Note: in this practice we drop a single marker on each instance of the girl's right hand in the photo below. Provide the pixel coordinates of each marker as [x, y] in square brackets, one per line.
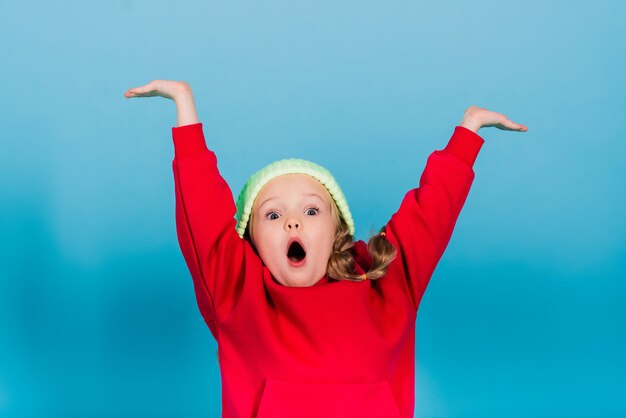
[164, 88]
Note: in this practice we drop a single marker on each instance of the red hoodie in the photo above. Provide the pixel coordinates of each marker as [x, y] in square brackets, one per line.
[337, 348]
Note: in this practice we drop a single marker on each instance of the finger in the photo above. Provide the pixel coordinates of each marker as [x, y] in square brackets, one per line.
[143, 91]
[132, 91]
[146, 88]
[519, 126]
[512, 126]
[140, 90]
[523, 128]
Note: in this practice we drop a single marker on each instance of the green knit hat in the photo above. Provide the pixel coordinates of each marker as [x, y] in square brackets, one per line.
[289, 166]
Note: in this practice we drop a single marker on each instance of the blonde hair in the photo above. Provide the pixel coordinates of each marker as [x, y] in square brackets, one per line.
[341, 262]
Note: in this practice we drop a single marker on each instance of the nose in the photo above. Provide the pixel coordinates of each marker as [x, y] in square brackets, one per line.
[293, 224]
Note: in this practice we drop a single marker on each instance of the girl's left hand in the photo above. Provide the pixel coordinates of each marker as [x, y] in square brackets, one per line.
[477, 117]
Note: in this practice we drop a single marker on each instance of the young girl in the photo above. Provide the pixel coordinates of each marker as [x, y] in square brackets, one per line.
[309, 323]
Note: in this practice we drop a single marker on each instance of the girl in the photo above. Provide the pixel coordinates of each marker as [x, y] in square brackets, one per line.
[308, 322]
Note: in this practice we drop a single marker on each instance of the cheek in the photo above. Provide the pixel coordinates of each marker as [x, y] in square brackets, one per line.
[326, 234]
[331, 236]
[265, 241]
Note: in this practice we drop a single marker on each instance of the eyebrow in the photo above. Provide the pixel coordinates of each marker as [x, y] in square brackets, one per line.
[305, 194]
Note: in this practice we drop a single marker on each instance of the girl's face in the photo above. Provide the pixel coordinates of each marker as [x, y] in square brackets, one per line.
[294, 208]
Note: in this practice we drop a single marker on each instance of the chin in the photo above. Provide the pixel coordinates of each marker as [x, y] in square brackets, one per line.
[293, 282]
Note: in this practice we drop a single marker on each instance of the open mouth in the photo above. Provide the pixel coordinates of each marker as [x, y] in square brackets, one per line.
[295, 251]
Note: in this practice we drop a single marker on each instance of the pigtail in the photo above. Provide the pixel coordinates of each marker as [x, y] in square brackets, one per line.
[382, 252]
[341, 261]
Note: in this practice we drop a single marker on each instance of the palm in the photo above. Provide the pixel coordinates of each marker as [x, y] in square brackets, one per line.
[487, 118]
[162, 88]
[498, 120]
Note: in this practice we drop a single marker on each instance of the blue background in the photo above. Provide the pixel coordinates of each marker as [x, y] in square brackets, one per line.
[525, 314]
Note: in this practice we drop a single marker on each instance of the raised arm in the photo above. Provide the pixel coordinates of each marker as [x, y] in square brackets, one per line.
[422, 227]
[205, 208]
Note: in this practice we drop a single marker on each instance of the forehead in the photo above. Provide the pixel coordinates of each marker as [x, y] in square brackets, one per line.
[289, 185]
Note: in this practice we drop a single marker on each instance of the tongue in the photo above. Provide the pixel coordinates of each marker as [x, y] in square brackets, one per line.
[296, 252]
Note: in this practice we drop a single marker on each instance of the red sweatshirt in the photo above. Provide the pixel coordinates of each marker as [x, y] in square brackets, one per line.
[334, 349]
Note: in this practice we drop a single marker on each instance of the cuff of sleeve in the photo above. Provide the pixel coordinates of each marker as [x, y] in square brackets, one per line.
[188, 141]
[465, 145]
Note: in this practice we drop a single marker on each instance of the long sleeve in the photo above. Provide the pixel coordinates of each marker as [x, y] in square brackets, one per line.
[423, 225]
[205, 224]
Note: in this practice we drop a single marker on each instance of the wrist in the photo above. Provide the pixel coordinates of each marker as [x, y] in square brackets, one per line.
[183, 93]
[186, 108]
[471, 124]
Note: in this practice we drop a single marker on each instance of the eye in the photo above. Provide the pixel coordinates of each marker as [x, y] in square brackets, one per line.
[315, 210]
[271, 216]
